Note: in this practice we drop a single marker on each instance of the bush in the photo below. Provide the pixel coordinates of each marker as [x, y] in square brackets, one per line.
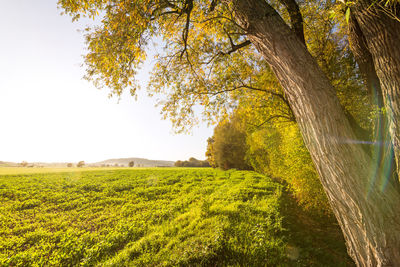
[280, 152]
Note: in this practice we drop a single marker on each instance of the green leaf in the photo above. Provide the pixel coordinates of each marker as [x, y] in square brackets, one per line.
[347, 14]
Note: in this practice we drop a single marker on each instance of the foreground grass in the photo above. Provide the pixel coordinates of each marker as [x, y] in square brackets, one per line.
[154, 217]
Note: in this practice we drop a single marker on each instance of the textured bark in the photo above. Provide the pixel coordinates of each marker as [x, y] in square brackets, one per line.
[359, 47]
[296, 18]
[382, 150]
[382, 37]
[367, 214]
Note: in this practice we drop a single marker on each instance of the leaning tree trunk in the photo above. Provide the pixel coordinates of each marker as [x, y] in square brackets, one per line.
[382, 36]
[368, 215]
[382, 150]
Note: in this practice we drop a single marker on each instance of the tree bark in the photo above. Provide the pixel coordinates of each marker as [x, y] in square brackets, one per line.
[367, 214]
[382, 148]
[382, 38]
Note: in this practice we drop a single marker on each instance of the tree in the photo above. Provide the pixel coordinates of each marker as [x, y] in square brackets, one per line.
[192, 162]
[69, 165]
[24, 163]
[131, 163]
[369, 226]
[228, 149]
[214, 51]
[210, 152]
[80, 164]
[178, 163]
[204, 164]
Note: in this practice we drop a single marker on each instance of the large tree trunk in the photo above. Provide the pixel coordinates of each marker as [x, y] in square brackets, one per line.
[368, 215]
[382, 37]
[382, 149]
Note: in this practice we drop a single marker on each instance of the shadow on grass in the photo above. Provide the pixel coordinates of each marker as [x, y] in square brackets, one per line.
[314, 240]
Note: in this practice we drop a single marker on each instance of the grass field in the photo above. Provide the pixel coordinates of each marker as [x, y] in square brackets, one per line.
[155, 217]
[22, 170]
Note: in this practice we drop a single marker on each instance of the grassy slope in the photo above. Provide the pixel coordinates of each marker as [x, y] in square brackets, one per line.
[158, 217]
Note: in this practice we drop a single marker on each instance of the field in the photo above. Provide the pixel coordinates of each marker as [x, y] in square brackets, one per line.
[21, 170]
[155, 217]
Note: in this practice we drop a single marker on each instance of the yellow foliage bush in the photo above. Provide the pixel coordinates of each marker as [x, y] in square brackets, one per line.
[279, 151]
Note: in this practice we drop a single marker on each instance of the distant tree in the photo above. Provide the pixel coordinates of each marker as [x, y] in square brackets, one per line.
[24, 164]
[178, 163]
[69, 165]
[116, 165]
[80, 164]
[228, 147]
[131, 163]
[210, 152]
[205, 164]
[192, 162]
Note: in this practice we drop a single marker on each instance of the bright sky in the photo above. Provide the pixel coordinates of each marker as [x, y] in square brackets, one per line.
[49, 113]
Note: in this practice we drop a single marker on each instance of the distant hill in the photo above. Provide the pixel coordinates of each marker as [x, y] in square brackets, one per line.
[34, 164]
[139, 162]
[8, 164]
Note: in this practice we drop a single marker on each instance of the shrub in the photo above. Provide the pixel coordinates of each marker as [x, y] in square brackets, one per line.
[280, 152]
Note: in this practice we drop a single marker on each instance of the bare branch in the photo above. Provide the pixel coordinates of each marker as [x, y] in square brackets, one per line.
[281, 96]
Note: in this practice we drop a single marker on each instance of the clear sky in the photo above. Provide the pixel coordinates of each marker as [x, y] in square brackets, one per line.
[49, 113]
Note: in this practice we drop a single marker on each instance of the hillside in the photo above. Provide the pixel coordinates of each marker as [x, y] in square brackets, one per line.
[139, 162]
[7, 164]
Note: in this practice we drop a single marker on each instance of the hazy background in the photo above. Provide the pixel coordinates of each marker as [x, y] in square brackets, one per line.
[49, 113]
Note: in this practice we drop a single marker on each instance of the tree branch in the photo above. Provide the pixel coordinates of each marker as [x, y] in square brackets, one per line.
[235, 47]
[185, 33]
[364, 60]
[296, 19]
[289, 119]
[213, 5]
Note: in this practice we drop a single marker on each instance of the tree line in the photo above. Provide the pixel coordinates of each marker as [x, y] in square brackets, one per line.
[192, 162]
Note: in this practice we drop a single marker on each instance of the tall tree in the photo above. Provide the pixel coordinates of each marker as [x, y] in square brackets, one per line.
[227, 147]
[368, 220]
[209, 59]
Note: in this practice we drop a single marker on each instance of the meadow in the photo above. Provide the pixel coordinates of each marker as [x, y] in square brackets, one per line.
[156, 217]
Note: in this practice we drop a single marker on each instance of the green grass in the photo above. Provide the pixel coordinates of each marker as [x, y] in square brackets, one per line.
[152, 217]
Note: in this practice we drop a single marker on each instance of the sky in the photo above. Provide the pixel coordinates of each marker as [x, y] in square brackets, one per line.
[49, 113]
